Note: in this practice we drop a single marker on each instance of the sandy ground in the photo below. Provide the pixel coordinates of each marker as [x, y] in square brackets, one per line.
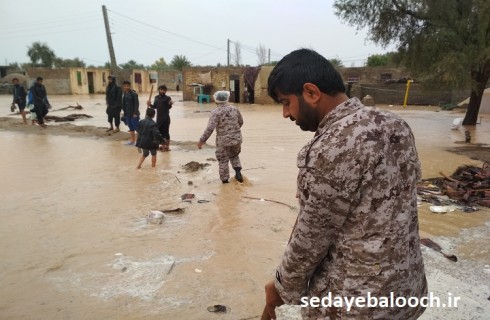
[75, 243]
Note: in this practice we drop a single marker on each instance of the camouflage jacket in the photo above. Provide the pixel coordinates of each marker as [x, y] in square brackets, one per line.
[357, 229]
[227, 120]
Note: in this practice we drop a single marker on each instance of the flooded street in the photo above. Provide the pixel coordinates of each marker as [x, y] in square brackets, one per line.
[76, 244]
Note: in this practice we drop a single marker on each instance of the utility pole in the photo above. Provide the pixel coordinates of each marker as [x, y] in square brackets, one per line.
[269, 56]
[109, 42]
[228, 53]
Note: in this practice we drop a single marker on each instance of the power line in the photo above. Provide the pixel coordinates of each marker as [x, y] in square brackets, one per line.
[166, 31]
[52, 33]
[37, 23]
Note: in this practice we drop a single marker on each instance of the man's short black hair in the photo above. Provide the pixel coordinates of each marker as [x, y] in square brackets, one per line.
[164, 87]
[39, 79]
[15, 79]
[150, 112]
[300, 67]
[126, 82]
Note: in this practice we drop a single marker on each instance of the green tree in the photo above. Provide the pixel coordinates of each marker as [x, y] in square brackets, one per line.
[179, 62]
[445, 41]
[272, 63]
[41, 55]
[389, 59]
[131, 64]
[377, 60]
[336, 62]
[159, 64]
[15, 66]
[67, 63]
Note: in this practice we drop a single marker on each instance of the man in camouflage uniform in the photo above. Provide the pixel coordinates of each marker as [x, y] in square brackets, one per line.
[357, 228]
[227, 120]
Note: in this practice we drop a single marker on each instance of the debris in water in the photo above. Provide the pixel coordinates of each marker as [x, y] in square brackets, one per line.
[171, 267]
[457, 123]
[269, 200]
[71, 117]
[176, 210]
[187, 197]
[442, 209]
[194, 166]
[77, 107]
[155, 217]
[467, 186]
[431, 244]
[219, 308]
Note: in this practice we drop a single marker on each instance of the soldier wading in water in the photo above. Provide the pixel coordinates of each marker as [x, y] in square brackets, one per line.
[227, 120]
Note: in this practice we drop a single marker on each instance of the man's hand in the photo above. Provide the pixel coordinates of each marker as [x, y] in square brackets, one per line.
[200, 144]
[148, 103]
[272, 300]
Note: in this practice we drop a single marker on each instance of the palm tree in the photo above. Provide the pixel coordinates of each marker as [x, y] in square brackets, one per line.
[180, 61]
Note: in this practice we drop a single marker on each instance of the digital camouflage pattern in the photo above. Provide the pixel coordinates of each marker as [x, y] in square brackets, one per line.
[225, 154]
[227, 120]
[357, 229]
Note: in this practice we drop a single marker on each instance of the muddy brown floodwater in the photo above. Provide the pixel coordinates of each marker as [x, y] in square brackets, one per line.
[75, 243]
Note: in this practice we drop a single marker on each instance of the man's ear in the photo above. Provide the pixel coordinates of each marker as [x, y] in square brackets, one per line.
[311, 93]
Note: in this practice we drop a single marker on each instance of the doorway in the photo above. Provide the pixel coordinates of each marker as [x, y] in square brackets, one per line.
[235, 88]
[90, 78]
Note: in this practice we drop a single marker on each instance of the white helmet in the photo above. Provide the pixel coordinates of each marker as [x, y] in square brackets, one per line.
[221, 96]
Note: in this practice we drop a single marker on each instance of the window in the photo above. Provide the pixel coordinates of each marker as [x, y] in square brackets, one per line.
[79, 77]
[385, 76]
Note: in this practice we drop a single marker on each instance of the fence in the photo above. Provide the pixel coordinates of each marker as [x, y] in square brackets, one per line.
[418, 95]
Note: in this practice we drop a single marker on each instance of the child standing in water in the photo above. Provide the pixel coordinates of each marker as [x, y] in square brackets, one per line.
[148, 138]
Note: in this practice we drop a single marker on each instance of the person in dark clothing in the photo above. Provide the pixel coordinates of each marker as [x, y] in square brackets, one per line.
[148, 138]
[113, 99]
[41, 103]
[163, 104]
[20, 95]
[130, 105]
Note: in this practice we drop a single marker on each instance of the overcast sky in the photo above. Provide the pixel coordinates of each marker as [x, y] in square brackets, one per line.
[146, 30]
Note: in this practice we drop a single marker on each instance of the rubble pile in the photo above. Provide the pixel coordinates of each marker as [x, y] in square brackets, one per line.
[467, 186]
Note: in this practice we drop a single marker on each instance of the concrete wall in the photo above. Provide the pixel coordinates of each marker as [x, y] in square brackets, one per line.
[261, 96]
[170, 78]
[220, 79]
[363, 75]
[66, 80]
[371, 82]
[100, 78]
[485, 102]
[372, 74]
[56, 81]
[418, 94]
